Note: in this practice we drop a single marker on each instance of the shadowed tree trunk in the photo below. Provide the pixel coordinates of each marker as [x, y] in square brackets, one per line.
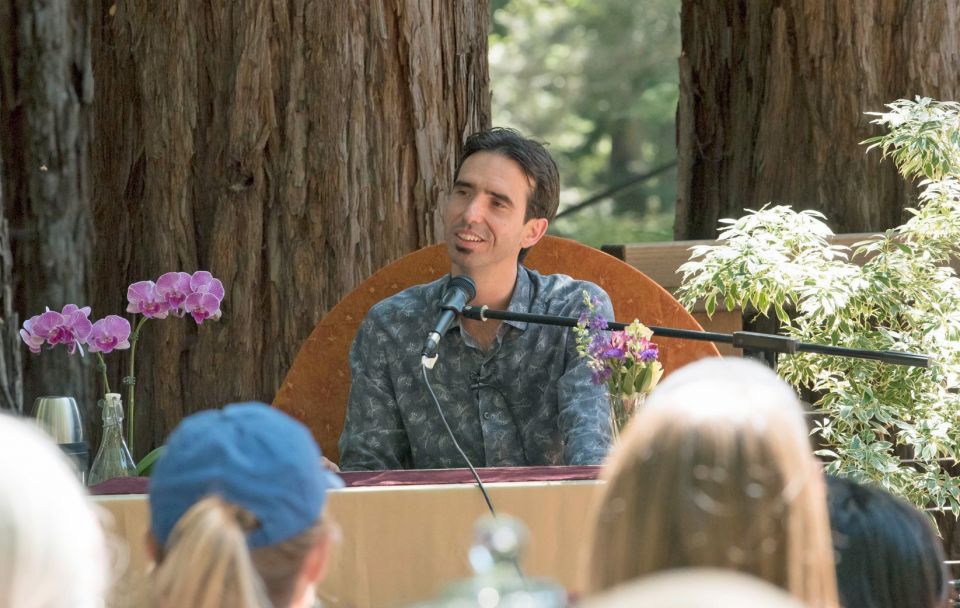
[289, 147]
[46, 87]
[772, 102]
[11, 362]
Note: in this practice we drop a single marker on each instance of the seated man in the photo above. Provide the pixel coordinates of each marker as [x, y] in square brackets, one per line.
[514, 393]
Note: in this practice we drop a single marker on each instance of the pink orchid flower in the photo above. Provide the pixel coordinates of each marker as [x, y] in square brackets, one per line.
[70, 327]
[30, 336]
[144, 299]
[203, 282]
[174, 287]
[108, 334]
[202, 306]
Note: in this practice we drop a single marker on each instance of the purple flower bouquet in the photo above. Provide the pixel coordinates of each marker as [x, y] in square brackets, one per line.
[626, 361]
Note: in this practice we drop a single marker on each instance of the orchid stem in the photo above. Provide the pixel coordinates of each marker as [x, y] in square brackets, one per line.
[131, 382]
[102, 368]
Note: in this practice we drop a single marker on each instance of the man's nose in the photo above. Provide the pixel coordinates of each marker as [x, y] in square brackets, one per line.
[473, 212]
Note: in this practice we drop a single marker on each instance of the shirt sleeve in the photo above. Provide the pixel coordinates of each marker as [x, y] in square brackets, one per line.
[584, 408]
[374, 437]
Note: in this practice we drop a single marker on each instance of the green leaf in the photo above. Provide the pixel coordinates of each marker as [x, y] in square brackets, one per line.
[781, 313]
[711, 304]
[145, 466]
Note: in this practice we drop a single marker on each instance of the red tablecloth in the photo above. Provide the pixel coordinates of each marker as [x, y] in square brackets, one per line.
[138, 485]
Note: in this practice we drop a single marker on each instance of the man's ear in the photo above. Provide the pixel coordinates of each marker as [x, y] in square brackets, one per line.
[533, 231]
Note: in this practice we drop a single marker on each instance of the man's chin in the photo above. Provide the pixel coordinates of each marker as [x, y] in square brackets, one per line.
[464, 260]
[458, 251]
[460, 259]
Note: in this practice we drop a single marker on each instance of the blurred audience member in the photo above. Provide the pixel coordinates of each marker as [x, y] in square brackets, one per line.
[716, 471]
[696, 588]
[887, 553]
[236, 504]
[52, 549]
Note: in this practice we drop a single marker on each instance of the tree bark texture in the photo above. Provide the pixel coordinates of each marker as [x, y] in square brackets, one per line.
[772, 103]
[46, 90]
[290, 147]
[11, 361]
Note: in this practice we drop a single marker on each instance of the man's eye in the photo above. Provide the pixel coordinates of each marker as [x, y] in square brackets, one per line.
[499, 204]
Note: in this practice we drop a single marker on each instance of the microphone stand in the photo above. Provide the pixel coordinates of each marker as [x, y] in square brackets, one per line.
[739, 339]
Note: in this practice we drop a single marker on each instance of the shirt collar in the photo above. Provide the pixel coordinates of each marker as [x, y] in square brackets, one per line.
[520, 301]
[522, 298]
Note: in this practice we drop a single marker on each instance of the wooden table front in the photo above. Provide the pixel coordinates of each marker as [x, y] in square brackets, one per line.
[404, 543]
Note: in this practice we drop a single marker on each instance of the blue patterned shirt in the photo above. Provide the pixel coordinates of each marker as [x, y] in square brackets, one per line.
[526, 401]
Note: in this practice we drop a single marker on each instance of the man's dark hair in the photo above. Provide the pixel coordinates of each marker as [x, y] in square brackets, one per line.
[534, 161]
[888, 555]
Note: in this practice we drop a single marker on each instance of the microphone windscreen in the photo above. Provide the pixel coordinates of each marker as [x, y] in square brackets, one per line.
[464, 283]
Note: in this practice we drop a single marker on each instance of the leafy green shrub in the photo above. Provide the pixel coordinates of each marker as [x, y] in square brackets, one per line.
[890, 424]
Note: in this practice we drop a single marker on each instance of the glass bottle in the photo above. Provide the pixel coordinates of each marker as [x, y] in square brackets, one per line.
[113, 458]
[498, 581]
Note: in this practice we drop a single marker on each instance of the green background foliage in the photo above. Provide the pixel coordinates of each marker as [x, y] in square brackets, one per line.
[598, 81]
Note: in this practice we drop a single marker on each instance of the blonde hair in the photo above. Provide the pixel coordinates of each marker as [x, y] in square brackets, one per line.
[717, 471]
[52, 546]
[694, 588]
[206, 562]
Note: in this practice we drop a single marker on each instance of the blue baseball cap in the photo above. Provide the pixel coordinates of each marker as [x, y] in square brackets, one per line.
[251, 455]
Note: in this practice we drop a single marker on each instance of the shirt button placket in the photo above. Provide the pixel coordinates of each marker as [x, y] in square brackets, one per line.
[483, 405]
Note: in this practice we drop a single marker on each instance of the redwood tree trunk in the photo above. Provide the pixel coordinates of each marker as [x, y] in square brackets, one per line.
[772, 102]
[11, 362]
[46, 88]
[289, 147]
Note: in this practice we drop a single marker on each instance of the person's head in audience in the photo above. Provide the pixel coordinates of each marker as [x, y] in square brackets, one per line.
[695, 588]
[716, 471]
[887, 553]
[236, 511]
[53, 553]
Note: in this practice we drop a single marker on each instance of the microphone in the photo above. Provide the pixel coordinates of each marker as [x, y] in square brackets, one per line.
[460, 290]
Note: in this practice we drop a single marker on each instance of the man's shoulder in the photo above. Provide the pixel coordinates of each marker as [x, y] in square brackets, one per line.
[562, 282]
[561, 288]
[412, 301]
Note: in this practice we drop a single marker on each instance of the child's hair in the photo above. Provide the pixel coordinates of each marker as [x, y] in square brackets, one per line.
[52, 546]
[716, 471]
[888, 554]
[206, 563]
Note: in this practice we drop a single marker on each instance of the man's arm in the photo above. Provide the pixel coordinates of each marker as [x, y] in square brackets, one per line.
[374, 437]
[584, 406]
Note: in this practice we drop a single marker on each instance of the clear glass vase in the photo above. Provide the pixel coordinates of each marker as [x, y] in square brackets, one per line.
[113, 458]
[622, 409]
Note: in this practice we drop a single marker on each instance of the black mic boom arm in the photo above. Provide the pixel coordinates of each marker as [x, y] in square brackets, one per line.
[739, 339]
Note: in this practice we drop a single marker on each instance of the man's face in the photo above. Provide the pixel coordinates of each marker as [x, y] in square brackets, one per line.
[484, 214]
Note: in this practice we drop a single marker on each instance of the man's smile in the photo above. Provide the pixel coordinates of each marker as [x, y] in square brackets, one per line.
[468, 236]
